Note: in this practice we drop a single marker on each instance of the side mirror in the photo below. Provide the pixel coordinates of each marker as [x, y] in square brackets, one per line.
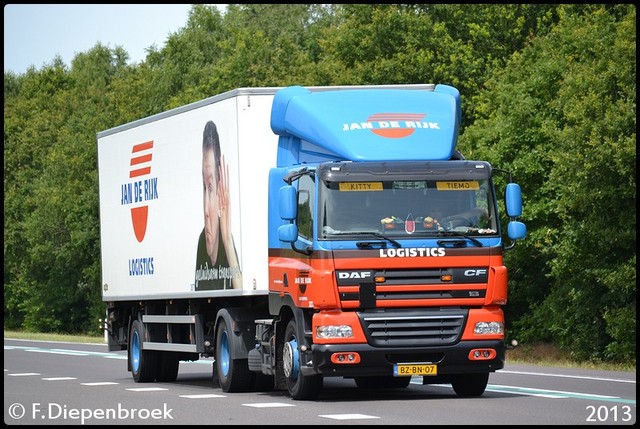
[288, 233]
[516, 230]
[513, 200]
[288, 203]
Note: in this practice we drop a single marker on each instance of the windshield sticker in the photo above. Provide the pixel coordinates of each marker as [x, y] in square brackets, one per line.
[461, 185]
[360, 186]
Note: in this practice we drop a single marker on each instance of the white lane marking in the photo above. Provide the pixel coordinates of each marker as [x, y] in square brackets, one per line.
[58, 378]
[617, 380]
[269, 405]
[530, 391]
[58, 342]
[547, 391]
[58, 352]
[347, 416]
[23, 374]
[515, 392]
[212, 395]
[100, 383]
[107, 355]
[147, 389]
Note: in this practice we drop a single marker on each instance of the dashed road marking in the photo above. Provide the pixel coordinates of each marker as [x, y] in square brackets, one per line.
[146, 389]
[269, 405]
[348, 416]
[58, 378]
[212, 395]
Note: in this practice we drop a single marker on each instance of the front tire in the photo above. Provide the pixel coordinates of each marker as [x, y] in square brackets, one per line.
[470, 384]
[299, 386]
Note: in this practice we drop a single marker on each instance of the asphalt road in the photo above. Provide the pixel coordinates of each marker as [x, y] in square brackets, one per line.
[69, 383]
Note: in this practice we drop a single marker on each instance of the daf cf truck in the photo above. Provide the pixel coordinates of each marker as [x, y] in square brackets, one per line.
[297, 233]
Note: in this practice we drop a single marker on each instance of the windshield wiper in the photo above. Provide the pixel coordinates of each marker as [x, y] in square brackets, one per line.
[373, 233]
[461, 234]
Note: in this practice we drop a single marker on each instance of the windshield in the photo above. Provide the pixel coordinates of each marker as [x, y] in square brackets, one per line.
[401, 208]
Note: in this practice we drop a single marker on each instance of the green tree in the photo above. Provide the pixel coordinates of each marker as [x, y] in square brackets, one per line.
[548, 93]
[178, 73]
[52, 274]
[456, 44]
[29, 128]
[561, 115]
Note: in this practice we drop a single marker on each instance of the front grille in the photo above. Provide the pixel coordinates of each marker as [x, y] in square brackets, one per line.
[422, 287]
[412, 329]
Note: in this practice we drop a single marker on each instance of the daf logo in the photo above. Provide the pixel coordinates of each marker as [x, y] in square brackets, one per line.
[475, 273]
[354, 275]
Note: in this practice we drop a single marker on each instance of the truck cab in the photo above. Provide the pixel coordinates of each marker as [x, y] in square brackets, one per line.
[385, 244]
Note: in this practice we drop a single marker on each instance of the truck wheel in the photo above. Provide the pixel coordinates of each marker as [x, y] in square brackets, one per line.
[233, 374]
[470, 384]
[299, 386]
[168, 367]
[143, 363]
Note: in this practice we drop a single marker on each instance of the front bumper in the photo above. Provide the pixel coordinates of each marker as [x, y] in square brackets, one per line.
[378, 361]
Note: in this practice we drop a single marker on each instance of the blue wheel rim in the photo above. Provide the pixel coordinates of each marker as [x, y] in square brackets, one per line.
[135, 352]
[225, 356]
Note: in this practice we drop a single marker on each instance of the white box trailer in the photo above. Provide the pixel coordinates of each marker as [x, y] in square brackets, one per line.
[151, 197]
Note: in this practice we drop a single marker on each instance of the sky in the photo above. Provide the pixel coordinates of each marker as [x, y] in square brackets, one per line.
[35, 33]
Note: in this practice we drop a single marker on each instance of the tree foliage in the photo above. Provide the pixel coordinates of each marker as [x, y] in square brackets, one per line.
[561, 115]
[548, 93]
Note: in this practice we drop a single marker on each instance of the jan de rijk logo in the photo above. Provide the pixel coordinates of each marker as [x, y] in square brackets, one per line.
[141, 187]
[393, 125]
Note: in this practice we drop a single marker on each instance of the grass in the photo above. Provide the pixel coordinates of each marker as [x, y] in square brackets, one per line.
[527, 354]
[21, 335]
[551, 355]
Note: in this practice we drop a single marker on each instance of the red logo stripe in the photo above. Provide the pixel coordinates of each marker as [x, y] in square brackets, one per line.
[139, 172]
[141, 159]
[142, 146]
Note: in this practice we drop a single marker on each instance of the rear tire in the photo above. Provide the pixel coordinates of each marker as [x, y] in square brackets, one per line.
[470, 384]
[168, 367]
[143, 363]
[299, 386]
[233, 374]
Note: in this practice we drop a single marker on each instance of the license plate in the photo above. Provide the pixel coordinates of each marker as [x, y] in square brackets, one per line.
[409, 369]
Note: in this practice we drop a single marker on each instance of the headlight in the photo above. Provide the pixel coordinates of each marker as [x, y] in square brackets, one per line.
[339, 331]
[489, 328]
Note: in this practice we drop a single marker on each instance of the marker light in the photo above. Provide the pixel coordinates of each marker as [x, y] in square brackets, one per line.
[482, 354]
[345, 358]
